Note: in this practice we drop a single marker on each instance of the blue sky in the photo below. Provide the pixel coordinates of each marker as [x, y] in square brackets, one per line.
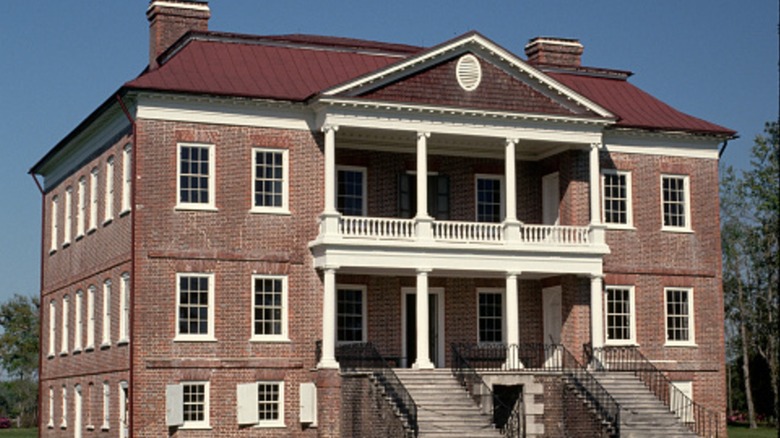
[715, 59]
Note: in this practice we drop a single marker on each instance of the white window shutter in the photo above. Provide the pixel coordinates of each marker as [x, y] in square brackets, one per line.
[246, 403]
[174, 403]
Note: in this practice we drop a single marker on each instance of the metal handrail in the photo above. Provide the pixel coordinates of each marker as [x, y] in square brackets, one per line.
[699, 419]
[480, 392]
[542, 357]
[364, 356]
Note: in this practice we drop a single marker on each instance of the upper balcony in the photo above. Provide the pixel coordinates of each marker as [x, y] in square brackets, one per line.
[458, 214]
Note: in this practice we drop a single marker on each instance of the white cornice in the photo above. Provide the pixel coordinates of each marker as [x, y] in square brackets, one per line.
[225, 111]
[190, 5]
[675, 144]
[454, 48]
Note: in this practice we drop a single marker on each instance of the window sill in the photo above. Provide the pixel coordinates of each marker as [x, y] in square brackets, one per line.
[107, 222]
[77, 351]
[105, 428]
[619, 227]
[79, 237]
[206, 339]
[105, 346]
[91, 230]
[270, 340]
[195, 427]
[63, 353]
[681, 345]
[124, 213]
[276, 211]
[122, 342]
[620, 344]
[271, 426]
[50, 425]
[65, 244]
[50, 356]
[88, 349]
[195, 207]
[52, 251]
[90, 427]
[677, 230]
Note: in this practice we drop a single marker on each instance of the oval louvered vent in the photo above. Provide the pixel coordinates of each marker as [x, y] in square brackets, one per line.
[469, 72]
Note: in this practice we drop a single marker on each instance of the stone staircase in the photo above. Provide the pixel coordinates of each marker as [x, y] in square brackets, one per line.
[642, 414]
[444, 408]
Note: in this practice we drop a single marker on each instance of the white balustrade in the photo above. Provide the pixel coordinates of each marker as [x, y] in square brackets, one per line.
[554, 234]
[377, 228]
[452, 231]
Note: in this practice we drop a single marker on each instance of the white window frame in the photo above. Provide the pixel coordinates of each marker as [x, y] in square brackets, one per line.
[206, 423]
[364, 311]
[123, 405]
[66, 228]
[91, 291]
[78, 321]
[631, 317]
[124, 311]
[629, 224]
[207, 206]
[105, 341]
[106, 406]
[364, 175]
[285, 207]
[494, 177]
[284, 335]
[50, 423]
[127, 183]
[90, 392]
[94, 180]
[77, 411]
[52, 327]
[54, 231]
[64, 410]
[64, 348]
[81, 209]
[691, 341]
[108, 214]
[687, 204]
[199, 337]
[280, 405]
[492, 290]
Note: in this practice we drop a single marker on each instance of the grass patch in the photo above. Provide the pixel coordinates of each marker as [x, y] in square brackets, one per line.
[19, 433]
[742, 431]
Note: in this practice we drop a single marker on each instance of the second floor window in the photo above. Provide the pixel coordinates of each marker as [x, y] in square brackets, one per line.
[489, 198]
[351, 195]
[675, 202]
[438, 196]
[196, 176]
[616, 197]
[270, 180]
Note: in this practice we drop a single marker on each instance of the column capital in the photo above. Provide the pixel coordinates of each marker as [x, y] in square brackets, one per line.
[424, 271]
[330, 268]
[423, 134]
[328, 127]
[596, 145]
[596, 276]
[511, 141]
[511, 274]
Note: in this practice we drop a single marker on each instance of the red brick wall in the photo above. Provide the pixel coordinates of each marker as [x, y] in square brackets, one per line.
[87, 261]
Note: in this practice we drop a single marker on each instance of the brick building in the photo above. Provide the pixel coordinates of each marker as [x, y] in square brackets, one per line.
[248, 196]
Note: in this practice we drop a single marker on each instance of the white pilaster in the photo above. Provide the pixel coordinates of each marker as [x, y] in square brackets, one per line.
[328, 358]
[421, 295]
[512, 322]
[595, 184]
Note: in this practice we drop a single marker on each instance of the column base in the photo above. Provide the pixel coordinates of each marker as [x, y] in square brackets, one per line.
[419, 365]
[328, 364]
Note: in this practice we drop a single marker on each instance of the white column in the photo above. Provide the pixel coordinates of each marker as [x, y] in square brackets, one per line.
[596, 314]
[422, 174]
[328, 357]
[423, 355]
[512, 322]
[330, 167]
[595, 184]
[511, 224]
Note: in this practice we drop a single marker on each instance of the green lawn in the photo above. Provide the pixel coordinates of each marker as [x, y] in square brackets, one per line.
[744, 432]
[18, 433]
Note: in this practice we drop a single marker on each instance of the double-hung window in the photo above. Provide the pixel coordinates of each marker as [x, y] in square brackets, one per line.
[78, 321]
[616, 198]
[52, 325]
[490, 305]
[187, 405]
[108, 203]
[620, 315]
[106, 407]
[68, 216]
[106, 323]
[81, 209]
[269, 308]
[126, 177]
[53, 221]
[93, 199]
[679, 316]
[351, 196]
[261, 404]
[64, 411]
[675, 203]
[270, 180]
[350, 314]
[124, 310]
[91, 318]
[489, 198]
[195, 302]
[65, 324]
[195, 177]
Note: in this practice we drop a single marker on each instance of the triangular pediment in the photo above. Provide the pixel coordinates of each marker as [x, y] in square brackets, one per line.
[446, 76]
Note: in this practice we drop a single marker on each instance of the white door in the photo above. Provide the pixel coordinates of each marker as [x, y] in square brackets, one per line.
[552, 308]
[551, 199]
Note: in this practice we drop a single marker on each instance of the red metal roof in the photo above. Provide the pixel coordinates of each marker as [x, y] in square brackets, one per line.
[253, 69]
[634, 107]
[298, 67]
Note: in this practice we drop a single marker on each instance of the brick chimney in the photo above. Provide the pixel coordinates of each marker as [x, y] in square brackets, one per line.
[564, 52]
[170, 19]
